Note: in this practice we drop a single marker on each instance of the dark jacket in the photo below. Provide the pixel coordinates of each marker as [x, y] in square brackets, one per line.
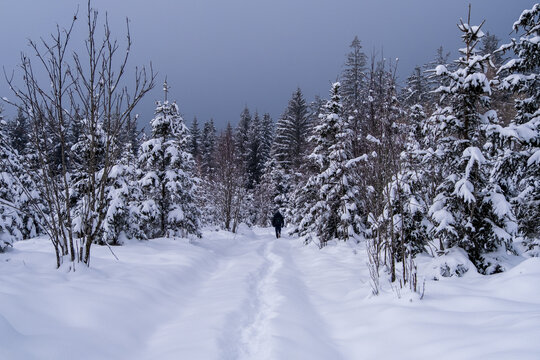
[277, 220]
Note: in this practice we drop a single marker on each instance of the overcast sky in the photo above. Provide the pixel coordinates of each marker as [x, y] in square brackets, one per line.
[220, 55]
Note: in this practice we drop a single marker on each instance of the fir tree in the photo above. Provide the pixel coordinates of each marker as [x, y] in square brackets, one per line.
[329, 209]
[208, 146]
[19, 133]
[20, 212]
[241, 140]
[292, 132]
[468, 211]
[195, 143]
[168, 183]
[353, 78]
[254, 163]
[123, 196]
[518, 165]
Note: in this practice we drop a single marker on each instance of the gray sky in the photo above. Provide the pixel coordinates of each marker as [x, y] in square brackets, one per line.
[220, 55]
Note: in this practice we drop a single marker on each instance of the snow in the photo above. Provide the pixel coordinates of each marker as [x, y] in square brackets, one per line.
[535, 158]
[251, 296]
[440, 69]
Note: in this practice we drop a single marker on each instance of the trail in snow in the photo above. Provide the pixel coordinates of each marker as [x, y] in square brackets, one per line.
[243, 309]
[251, 296]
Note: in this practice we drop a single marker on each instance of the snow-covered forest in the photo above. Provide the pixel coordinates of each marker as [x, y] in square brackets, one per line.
[412, 210]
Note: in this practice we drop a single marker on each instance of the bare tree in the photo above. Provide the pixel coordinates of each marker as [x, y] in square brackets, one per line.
[92, 81]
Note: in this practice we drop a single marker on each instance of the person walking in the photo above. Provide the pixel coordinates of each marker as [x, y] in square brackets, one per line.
[277, 223]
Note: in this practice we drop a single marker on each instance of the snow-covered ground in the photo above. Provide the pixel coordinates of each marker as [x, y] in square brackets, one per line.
[251, 296]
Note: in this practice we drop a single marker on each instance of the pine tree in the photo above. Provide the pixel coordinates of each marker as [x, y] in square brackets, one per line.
[353, 78]
[168, 183]
[353, 89]
[329, 208]
[20, 212]
[254, 161]
[468, 211]
[195, 143]
[208, 147]
[19, 133]
[292, 132]
[123, 196]
[267, 137]
[416, 92]
[241, 141]
[518, 165]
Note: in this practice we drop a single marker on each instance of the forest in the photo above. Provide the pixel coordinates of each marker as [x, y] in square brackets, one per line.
[448, 159]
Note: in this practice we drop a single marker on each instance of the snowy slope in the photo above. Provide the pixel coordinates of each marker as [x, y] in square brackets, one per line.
[251, 296]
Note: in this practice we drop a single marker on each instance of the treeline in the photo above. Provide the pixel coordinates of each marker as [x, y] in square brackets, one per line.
[450, 159]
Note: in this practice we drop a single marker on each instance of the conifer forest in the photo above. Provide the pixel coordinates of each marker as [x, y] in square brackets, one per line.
[420, 196]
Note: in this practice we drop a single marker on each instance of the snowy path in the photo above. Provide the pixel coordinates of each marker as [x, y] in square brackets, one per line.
[243, 310]
[251, 296]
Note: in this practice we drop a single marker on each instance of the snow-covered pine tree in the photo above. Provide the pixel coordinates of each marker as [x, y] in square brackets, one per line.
[18, 133]
[518, 165]
[409, 191]
[241, 142]
[19, 211]
[267, 137]
[195, 142]
[289, 151]
[329, 197]
[208, 147]
[353, 77]
[353, 86]
[467, 211]
[123, 220]
[416, 91]
[87, 153]
[292, 133]
[254, 161]
[168, 182]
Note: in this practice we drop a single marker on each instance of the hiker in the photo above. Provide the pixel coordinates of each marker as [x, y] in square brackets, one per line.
[277, 222]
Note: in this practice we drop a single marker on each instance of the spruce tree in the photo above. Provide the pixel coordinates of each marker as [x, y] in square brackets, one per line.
[518, 164]
[468, 211]
[328, 200]
[19, 133]
[254, 161]
[20, 212]
[195, 143]
[208, 148]
[168, 183]
[241, 141]
[292, 132]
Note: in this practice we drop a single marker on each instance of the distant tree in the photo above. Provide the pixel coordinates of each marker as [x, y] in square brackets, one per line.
[353, 76]
[416, 90]
[241, 141]
[254, 160]
[292, 132]
[353, 85]
[18, 133]
[208, 148]
[228, 193]
[195, 143]
[266, 133]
